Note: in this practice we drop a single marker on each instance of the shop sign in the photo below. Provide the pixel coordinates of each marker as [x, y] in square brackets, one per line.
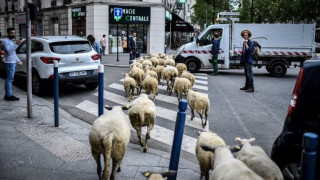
[79, 12]
[129, 15]
[168, 16]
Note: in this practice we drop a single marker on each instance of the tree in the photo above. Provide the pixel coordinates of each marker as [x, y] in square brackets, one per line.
[245, 11]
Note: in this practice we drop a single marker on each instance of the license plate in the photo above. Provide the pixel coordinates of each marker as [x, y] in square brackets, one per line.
[78, 73]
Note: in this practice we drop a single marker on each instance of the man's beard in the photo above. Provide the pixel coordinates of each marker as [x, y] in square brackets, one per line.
[12, 37]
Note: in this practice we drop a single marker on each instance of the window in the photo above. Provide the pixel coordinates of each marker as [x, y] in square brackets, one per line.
[22, 48]
[36, 46]
[206, 39]
[70, 47]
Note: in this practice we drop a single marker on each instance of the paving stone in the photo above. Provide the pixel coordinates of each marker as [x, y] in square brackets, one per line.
[127, 171]
[142, 160]
[87, 166]
[187, 174]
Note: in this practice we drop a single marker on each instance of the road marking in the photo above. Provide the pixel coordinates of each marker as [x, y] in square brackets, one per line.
[200, 87]
[201, 82]
[161, 112]
[200, 74]
[158, 133]
[200, 77]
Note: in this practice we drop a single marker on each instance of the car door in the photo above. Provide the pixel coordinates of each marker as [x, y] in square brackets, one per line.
[21, 53]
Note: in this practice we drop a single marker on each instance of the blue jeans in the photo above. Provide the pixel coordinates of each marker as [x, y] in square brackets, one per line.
[10, 67]
[249, 74]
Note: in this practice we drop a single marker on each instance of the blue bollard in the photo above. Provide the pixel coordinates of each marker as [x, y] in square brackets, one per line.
[309, 156]
[177, 139]
[100, 90]
[56, 94]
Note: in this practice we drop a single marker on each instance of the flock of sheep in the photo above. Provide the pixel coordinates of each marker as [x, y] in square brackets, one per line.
[110, 133]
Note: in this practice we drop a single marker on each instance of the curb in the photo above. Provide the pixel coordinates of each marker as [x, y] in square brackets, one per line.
[113, 65]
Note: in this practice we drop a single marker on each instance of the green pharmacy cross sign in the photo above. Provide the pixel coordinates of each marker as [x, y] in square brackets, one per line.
[117, 14]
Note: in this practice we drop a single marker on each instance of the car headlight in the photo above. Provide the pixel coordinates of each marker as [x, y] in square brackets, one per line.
[181, 48]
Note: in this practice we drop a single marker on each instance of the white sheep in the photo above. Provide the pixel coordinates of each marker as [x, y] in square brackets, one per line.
[188, 75]
[142, 113]
[146, 63]
[150, 84]
[161, 61]
[257, 160]
[155, 61]
[129, 85]
[168, 74]
[226, 167]
[181, 85]
[181, 67]
[199, 102]
[151, 73]
[136, 63]
[205, 157]
[137, 74]
[155, 55]
[110, 135]
[169, 62]
[159, 70]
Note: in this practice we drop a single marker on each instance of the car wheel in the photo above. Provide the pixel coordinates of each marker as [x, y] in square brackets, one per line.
[291, 171]
[193, 65]
[278, 69]
[37, 88]
[91, 85]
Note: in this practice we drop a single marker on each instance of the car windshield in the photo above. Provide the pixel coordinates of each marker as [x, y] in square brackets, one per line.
[70, 47]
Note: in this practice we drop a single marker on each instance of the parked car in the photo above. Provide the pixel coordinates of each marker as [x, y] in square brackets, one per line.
[303, 116]
[78, 62]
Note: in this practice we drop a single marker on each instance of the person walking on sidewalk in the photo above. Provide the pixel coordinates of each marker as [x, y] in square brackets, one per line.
[215, 52]
[247, 60]
[103, 43]
[132, 47]
[11, 59]
[95, 45]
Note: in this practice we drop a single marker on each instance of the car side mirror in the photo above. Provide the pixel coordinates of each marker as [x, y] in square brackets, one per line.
[199, 42]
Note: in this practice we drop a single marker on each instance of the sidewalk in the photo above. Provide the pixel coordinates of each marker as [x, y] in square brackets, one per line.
[111, 59]
[35, 149]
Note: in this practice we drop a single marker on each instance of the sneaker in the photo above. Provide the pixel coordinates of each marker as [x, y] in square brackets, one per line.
[250, 89]
[244, 88]
[11, 98]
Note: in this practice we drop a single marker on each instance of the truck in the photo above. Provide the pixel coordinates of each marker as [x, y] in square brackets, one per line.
[282, 46]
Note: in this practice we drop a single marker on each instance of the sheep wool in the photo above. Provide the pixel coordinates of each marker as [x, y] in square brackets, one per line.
[188, 75]
[257, 160]
[168, 74]
[142, 113]
[205, 157]
[150, 84]
[199, 102]
[169, 62]
[137, 74]
[181, 67]
[110, 135]
[181, 85]
[129, 85]
[159, 70]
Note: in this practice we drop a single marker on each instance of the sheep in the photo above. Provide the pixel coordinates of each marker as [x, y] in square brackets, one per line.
[169, 62]
[150, 84]
[151, 68]
[257, 160]
[136, 63]
[199, 102]
[181, 85]
[137, 74]
[129, 84]
[154, 61]
[205, 157]
[151, 73]
[161, 61]
[225, 166]
[159, 70]
[188, 75]
[181, 67]
[110, 135]
[155, 55]
[162, 55]
[142, 113]
[146, 63]
[168, 74]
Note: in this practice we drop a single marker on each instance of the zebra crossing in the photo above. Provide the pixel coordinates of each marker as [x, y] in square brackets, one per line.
[114, 94]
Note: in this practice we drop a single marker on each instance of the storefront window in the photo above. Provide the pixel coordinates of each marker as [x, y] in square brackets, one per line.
[79, 21]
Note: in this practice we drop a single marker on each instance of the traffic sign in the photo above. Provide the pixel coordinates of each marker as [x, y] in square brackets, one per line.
[225, 19]
[229, 13]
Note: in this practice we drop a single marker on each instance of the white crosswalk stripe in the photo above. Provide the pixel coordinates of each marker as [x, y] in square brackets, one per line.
[158, 133]
[114, 93]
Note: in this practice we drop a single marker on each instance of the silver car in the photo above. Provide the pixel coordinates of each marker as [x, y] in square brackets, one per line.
[78, 62]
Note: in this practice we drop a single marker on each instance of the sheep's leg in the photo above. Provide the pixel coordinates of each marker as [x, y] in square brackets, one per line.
[138, 129]
[97, 158]
[206, 114]
[192, 113]
[115, 167]
[149, 128]
[107, 145]
[203, 123]
[140, 90]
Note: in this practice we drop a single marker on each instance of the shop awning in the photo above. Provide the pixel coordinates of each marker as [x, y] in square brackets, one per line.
[178, 24]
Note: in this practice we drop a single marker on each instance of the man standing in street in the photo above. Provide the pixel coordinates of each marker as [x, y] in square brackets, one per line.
[103, 43]
[132, 46]
[247, 60]
[215, 52]
[11, 59]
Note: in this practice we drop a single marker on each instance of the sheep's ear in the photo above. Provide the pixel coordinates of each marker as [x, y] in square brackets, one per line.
[236, 148]
[252, 139]
[208, 148]
[108, 107]
[168, 173]
[126, 107]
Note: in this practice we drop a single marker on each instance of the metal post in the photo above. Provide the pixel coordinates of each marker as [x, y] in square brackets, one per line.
[309, 156]
[56, 94]
[177, 139]
[100, 90]
[29, 64]
[117, 43]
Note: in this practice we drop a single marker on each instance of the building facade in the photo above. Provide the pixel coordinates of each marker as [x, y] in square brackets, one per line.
[116, 19]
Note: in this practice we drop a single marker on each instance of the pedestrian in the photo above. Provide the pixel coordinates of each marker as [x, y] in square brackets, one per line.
[132, 47]
[246, 60]
[11, 59]
[95, 45]
[215, 52]
[103, 43]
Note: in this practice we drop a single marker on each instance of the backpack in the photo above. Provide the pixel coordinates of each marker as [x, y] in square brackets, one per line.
[256, 50]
